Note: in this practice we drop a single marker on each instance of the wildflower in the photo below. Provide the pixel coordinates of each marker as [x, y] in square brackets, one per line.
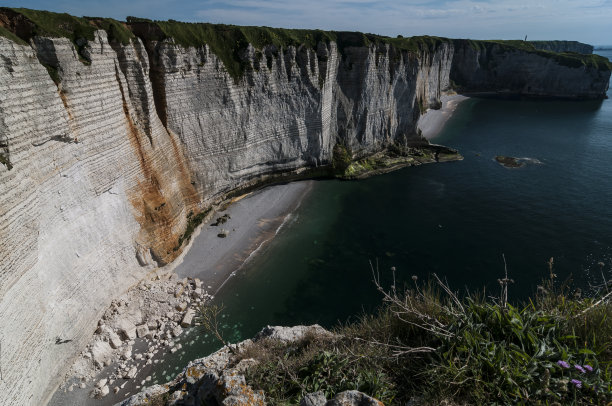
[579, 368]
[563, 364]
[588, 368]
[576, 383]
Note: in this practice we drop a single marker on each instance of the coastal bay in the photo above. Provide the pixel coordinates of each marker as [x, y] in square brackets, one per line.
[434, 218]
[119, 137]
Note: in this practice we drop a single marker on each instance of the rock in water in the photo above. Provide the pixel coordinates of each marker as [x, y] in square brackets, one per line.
[103, 391]
[509, 162]
[101, 383]
[131, 373]
[188, 318]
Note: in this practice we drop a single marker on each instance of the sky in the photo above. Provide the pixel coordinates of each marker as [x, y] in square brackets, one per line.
[587, 21]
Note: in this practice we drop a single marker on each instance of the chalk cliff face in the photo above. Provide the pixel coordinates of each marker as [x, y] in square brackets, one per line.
[563, 46]
[291, 114]
[100, 171]
[502, 69]
[96, 185]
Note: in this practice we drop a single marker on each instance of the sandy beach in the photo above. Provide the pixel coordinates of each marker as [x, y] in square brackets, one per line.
[254, 220]
[432, 122]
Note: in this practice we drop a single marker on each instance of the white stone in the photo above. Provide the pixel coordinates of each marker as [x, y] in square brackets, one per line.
[101, 352]
[188, 318]
[142, 330]
[177, 331]
[131, 373]
[114, 340]
[126, 329]
[126, 354]
[103, 391]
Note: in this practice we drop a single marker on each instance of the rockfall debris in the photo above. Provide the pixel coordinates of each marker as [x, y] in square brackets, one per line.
[141, 324]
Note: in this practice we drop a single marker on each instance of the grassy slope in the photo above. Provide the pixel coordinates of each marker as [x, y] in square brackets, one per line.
[430, 345]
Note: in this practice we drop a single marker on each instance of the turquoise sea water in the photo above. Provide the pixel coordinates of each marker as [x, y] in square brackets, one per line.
[455, 219]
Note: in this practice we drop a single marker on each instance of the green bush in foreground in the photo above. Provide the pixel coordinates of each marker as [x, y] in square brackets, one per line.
[428, 344]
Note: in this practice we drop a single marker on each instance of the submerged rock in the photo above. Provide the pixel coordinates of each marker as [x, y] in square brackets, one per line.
[509, 162]
[512, 162]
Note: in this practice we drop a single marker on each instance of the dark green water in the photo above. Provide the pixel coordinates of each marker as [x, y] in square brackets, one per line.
[455, 219]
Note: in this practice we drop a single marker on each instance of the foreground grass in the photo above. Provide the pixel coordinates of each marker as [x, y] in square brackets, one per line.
[428, 345]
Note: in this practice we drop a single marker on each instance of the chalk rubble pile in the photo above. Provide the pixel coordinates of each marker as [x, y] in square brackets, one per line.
[140, 325]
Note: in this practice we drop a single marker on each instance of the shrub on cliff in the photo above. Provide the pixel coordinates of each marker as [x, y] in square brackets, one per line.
[341, 158]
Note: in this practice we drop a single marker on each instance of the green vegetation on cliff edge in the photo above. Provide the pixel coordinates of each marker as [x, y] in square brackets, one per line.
[62, 25]
[569, 59]
[427, 345]
[228, 42]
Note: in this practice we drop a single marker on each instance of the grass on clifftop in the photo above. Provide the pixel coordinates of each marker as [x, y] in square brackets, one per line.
[428, 345]
[62, 25]
[569, 59]
[228, 42]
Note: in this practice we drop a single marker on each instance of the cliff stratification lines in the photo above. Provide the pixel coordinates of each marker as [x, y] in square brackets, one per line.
[110, 140]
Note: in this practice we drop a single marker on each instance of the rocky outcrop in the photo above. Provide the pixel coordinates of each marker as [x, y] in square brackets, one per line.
[219, 378]
[109, 150]
[563, 46]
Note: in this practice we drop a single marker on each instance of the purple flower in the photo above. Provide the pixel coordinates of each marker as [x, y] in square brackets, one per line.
[579, 368]
[563, 364]
[588, 368]
[576, 383]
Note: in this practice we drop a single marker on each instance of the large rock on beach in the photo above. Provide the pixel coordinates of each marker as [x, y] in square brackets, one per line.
[126, 329]
[101, 353]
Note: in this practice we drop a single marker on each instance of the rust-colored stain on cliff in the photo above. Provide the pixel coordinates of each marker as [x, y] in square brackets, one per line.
[164, 196]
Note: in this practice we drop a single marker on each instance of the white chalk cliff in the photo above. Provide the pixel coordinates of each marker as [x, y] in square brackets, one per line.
[100, 172]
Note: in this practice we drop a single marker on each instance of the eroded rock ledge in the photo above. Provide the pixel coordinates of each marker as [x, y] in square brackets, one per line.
[218, 378]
